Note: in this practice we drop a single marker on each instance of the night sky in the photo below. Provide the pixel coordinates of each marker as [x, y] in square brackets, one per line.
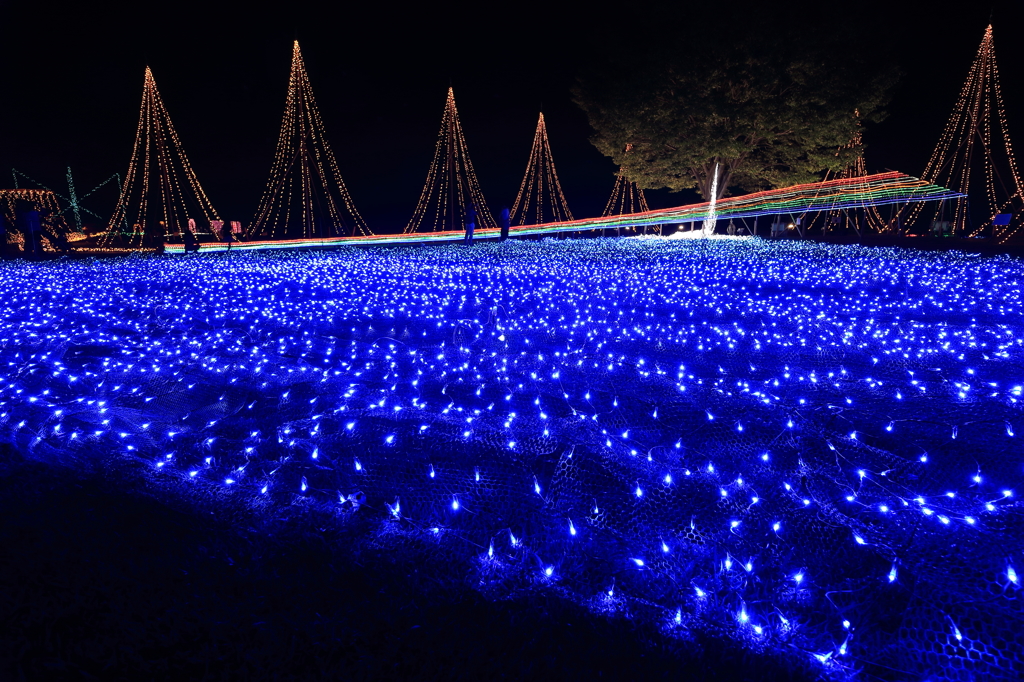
[73, 78]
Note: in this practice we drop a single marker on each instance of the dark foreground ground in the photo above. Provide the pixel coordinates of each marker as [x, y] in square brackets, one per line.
[114, 575]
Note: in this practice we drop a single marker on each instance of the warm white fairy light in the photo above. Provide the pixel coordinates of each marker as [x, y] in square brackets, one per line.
[148, 215]
[451, 188]
[968, 137]
[51, 215]
[305, 195]
[540, 198]
[627, 198]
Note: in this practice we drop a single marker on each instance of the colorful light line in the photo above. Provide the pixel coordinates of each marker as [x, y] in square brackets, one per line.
[845, 193]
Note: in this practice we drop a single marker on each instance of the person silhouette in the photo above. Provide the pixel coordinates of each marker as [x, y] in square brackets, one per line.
[504, 223]
[191, 243]
[470, 223]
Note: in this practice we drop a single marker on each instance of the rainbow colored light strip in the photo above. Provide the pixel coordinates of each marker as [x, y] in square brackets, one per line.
[833, 195]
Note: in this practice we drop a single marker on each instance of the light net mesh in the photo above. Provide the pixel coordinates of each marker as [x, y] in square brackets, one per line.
[801, 447]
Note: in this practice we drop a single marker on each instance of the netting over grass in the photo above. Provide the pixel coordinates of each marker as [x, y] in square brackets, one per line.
[801, 447]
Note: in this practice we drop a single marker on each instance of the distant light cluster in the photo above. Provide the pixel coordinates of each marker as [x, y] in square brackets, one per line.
[805, 448]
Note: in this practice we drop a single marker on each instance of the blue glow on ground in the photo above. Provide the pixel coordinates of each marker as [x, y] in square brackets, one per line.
[797, 446]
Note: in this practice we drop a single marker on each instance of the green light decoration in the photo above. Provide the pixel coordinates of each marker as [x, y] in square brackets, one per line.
[73, 200]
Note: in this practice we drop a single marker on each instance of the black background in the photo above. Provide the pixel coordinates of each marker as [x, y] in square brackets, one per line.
[72, 78]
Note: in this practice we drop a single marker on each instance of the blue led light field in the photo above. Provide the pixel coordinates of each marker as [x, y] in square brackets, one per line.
[806, 448]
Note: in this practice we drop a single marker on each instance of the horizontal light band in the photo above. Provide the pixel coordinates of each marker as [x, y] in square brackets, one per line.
[833, 195]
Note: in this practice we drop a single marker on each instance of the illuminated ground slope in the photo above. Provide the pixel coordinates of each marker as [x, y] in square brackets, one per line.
[802, 448]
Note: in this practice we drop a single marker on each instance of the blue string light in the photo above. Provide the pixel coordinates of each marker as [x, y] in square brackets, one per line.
[745, 435]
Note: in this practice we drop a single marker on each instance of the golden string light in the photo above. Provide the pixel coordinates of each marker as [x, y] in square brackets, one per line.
[451, 186]
[52, 223]
[540, 198]
[627, 198]
[148, 216]
[969, 139]
[872, 219]
[305, 195]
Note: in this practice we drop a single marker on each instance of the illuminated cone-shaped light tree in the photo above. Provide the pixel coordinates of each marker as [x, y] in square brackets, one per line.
[451, 187]
[626, 197]
[161, 199]
[867, 217]
[305, 196]
[540, 199]
[975, 142]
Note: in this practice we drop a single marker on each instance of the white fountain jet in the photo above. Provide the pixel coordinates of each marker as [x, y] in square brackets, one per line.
[711, 218]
